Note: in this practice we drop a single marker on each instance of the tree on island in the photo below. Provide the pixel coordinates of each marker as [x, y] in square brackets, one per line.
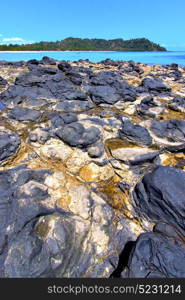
[78, 44]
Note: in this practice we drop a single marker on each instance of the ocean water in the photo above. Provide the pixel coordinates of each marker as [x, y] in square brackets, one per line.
[162, 58]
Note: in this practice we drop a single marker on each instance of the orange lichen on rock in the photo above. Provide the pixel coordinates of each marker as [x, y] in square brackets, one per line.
[117, 198]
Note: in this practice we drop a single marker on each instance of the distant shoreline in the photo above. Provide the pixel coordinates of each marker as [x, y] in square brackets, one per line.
[36, 51]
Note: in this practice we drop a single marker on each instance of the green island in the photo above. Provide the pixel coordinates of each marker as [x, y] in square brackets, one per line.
[78, 44]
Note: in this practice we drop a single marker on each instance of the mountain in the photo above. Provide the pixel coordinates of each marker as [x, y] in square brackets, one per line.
[77, 44]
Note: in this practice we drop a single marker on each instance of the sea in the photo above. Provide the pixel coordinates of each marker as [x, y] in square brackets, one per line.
[162, 58]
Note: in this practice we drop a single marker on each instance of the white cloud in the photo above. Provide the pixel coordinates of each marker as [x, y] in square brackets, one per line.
[13, 39]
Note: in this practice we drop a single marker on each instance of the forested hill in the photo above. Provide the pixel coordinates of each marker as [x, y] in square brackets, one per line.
[77, 44]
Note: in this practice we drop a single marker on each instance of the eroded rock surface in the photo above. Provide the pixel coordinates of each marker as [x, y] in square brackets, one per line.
[91, 169]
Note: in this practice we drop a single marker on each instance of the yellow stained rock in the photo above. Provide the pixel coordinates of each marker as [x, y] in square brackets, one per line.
[173, 160]
[93, 172]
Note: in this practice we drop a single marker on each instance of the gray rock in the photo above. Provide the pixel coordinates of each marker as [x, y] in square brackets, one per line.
[177, 104]
[24, 114]
[64, 66]
[3, 81]
[96, 150]
[134, 155]
[156, 256]
[104, 94]
[2, 106]
[135, 134]
[60, 243]
[155, 84]
[76, 95]
[41, 82]
[169, 134]
[23, 197]
[115, 86]
[69, 118]
[160, 196]
[73, 106]
[9, 144]
[71, 134]
[48, 61]
[33, 103]
[65, 244]
[75, 135]
[39, 135]
[150, 108]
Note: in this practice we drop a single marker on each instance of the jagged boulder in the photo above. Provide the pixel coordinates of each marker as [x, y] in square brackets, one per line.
[76, 135]
[135, 134]
[159, 196]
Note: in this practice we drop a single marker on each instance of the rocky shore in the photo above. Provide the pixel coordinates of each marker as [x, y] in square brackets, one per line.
[92, 169]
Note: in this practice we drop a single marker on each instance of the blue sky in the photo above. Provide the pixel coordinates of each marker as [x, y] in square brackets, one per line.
[161, 21]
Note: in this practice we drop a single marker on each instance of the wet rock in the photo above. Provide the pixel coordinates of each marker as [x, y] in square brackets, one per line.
[160, 196]
[2, 81]
[156, 256]
[9, 144]
[24, 114]
[77, 136]
[135, 134]
[134, 155]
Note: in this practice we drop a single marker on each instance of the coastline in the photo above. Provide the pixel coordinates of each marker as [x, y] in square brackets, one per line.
[40, 51]
[146, 57]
